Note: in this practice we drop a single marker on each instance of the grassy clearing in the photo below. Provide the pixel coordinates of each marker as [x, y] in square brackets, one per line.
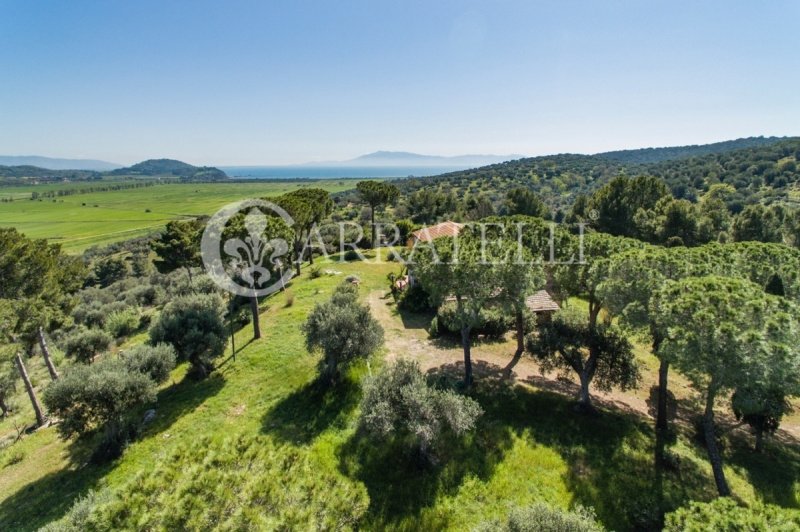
[265, 407]
[83, 220]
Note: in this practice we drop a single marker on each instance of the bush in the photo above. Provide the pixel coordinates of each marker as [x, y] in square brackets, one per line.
[414, 299]
[492, 322]
[123, 322]
[725, 514]
[352, 254]
[89, 397]
[157, 362]
[398, 403]
[315, 272]
[343, 329]
[544, 518]
[85, 344]
[195, 327]
[78, 519]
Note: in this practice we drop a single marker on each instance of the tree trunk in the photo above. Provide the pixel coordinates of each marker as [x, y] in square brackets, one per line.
[46, 355]
[663, 394]
[256, 320]
[584, 397]
[374, 232]
[714, 455]
[520, 327]
[759, 440]
[331, 368]
[37, 408]
[594, 311]
[4, 407]
[465, 342]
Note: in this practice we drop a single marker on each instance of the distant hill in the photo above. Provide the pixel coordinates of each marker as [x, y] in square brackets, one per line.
[408, 159]
[50, 163]
[759, 169]
[11, 173]
[657, 155]
[171, 167]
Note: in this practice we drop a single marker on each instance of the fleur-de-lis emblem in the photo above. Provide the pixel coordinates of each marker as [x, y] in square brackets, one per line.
[250, 253]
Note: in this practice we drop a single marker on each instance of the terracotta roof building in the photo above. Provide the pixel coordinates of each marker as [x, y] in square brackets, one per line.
[541, 303]
[431, 233]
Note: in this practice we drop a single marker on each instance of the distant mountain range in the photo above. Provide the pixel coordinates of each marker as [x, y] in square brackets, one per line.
[51, 163]
[408, 159]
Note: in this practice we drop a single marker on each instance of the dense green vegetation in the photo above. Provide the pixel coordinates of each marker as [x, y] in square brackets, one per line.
[171, 167]
[137, 394]
[757, 169]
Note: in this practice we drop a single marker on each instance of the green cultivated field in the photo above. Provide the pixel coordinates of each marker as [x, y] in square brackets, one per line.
[83, 220]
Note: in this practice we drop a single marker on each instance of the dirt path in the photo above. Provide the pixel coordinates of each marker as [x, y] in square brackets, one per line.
[408, 338]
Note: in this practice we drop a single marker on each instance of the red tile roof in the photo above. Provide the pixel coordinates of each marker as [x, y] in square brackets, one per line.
[448, 228]
[541, 302]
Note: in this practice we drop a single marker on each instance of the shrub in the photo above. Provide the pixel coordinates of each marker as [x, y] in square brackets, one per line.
[123, 322]
[78, 519]
[195, 327]
[492, 322]
[545, 518]
[399, 403]
[85, 344]
[343, 329]
[725, 514]
[315, 272]
[414, 299]
[157, 362]
[146, 294]
[89, 397]
[352, 254]
[110, 270]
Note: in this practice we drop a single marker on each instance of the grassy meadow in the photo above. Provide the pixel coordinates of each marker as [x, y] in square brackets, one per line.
[79, 221]
[260, 442]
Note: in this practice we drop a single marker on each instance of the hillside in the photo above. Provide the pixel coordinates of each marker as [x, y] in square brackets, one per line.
[655, 155]
[13, 173]
[171, 167]
[760, 169]
[51, 163]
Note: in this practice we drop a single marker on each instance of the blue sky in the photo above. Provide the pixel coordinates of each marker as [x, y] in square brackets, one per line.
[274, 82]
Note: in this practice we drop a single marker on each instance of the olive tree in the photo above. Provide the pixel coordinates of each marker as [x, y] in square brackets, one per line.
[88, 398]
[194, 326]
[399, 403]
[343, 329]
[599, 354]
[85, 344]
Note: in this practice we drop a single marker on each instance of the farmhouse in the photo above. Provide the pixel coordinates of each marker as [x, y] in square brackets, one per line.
[431, 233]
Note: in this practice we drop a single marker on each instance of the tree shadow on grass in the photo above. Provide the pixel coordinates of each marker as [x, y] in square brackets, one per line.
[773, 473]
[310, 410]
[413, 320]
[401, 485]
[50, 497]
